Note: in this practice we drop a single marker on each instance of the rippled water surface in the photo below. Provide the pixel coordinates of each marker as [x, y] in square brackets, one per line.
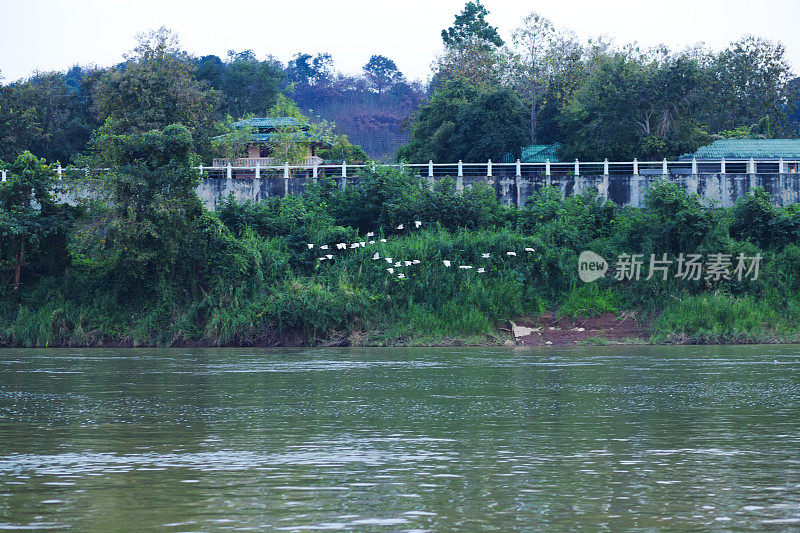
[401, 439]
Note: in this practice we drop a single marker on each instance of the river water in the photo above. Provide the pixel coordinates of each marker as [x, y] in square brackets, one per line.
[401, 439]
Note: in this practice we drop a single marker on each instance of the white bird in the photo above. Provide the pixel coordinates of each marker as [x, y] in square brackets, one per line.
[376, 256]
[400, 226]
[354, 245]
[481, 270]
[370, 234]
[341, 245]
[397, 264]
[465, 267]
[388, 259]
[446, 262]
[529, 250]
[415, 261]
[323, 247]
[371, 242]
[417, 223]
[363, 244]
[321, 259]
[329, 256]
[407, 263]
[401, 276]
[486, 256]
[310, 246]
[511, 253]
[391, 270]
[383, 240]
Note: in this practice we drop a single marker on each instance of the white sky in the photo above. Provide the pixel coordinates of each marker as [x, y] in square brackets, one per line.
[55, 34]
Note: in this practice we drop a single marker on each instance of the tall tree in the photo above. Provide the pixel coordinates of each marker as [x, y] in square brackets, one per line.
[531, 72]
[28, 214]
[750, 81]
[472, 50]
[461, 122]
[250, 85]
[154, 88]
[471, 24]
[381, 72]
[631, 107]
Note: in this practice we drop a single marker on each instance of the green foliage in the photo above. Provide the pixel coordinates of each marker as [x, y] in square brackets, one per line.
[721, 317]
[631, 107]
[587, 300]
[30, 220]
[155, 88]
[463, 123]
[471, 24]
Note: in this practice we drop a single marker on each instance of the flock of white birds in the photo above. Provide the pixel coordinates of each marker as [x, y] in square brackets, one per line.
[394, 265]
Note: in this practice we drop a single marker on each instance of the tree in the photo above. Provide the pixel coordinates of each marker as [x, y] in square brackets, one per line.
[381, 72]
[533, 41]
[480, 66]
[154, 88]
[461, 122]
[310, 70]
[471, 24]
[28, 213]
[634, 107]
[750, 81]
[250, 85]
[134, 241]
[471, 50]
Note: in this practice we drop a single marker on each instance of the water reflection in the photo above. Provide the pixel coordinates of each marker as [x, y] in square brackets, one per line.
[611, 438]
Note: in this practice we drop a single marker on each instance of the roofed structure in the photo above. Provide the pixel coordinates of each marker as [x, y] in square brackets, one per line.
[748, 148]
[267, 130]
[540, 153]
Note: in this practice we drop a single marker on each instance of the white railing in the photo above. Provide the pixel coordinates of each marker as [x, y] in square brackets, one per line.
[546, 168]
[245, 168]
[260, 161]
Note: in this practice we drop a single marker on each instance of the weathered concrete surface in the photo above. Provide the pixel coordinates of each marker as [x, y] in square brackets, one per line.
[714, 189]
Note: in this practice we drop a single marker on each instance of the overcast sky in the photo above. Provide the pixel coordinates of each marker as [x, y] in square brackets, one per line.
[53, 35]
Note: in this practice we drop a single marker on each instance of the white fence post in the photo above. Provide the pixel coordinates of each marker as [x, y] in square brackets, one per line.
[577, 168]
[605, 167]
[3, 173]
[664, 168]
[59, 170]
[489, 169]
[230, 171]
[722, 166]
[635, 167]
[694, 166]
[344, 169]
[430, 168]
[258, 170]
[314, 170]
[547, 167]
[460, 169]
[781, 167]
[286, 169]
[519, 168]
[751, 166]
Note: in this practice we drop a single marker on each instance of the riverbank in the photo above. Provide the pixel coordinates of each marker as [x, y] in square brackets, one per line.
[392, 262]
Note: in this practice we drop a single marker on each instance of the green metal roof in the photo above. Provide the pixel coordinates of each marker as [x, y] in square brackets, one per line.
[269, 123]
[300, 136]
[539, 153]
[747, 148]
